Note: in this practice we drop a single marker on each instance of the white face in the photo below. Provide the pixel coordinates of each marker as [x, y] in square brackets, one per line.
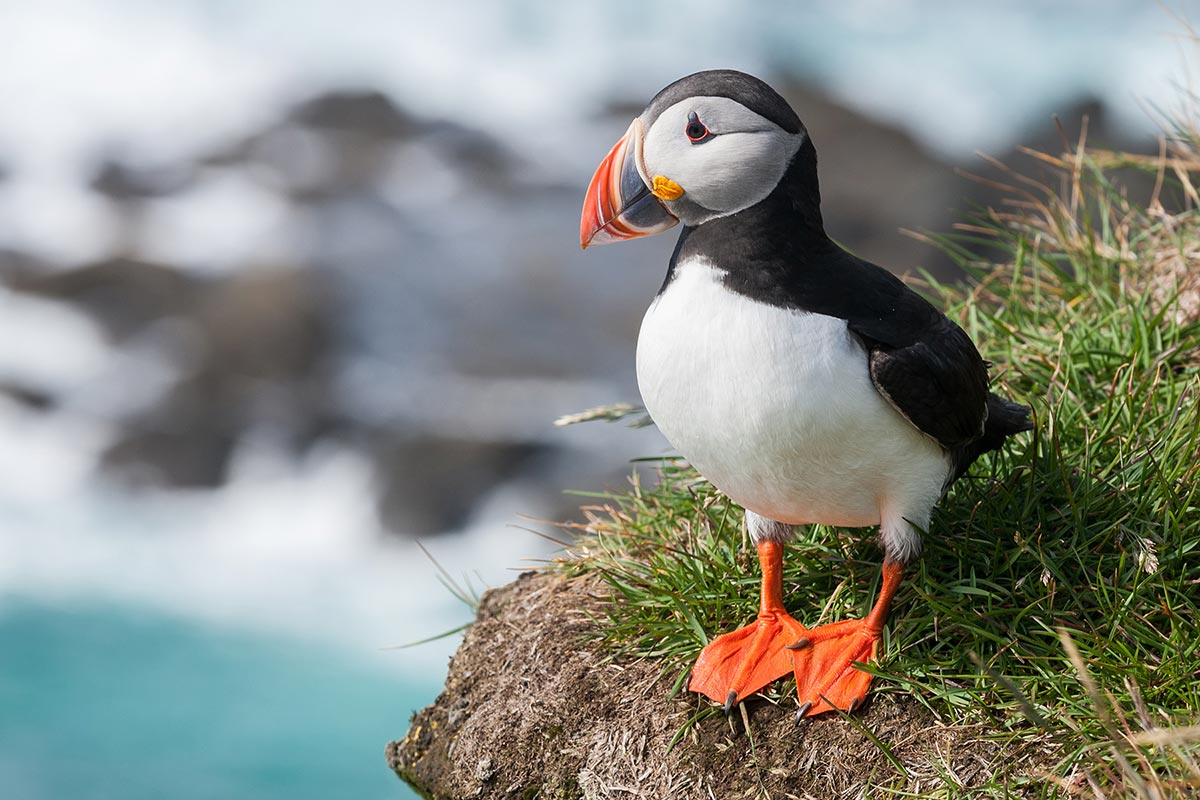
[737, 166]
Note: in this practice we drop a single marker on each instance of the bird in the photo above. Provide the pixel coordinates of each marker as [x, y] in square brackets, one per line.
[808, 385]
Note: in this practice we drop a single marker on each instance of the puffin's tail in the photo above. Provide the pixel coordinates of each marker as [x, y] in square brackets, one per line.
[1004, 418]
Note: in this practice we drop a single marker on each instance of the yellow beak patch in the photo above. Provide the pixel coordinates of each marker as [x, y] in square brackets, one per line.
[666, 189]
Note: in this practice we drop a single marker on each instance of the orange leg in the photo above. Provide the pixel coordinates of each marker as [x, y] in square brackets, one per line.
[825, 675]
[740, 663]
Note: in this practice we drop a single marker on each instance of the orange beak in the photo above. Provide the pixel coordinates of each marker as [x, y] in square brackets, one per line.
[619, 204]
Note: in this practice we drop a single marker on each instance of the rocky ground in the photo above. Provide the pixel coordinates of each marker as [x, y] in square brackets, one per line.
[532, 708]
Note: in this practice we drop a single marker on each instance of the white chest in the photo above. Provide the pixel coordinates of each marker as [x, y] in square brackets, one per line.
[777, 408]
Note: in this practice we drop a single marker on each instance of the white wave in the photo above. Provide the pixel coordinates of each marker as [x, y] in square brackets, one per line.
[226, 222]
[46, 344]
[84, 78]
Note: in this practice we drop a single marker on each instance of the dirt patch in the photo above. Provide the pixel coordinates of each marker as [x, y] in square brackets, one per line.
[532, 709]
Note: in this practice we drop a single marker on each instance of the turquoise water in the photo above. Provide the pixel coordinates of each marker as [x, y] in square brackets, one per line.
[115, 703]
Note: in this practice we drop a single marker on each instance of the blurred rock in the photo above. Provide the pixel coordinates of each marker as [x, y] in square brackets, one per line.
[124, 182]
[496, 166]
[367, 113]
[431, 484]
[348, 141]
[266, 325]
[17, 266]
[265, 341]
[186, 441]
[333, 143]
[28, 396]
[371, 115]
[122, 294]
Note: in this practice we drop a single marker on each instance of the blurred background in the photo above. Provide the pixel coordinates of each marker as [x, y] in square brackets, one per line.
[286, 289]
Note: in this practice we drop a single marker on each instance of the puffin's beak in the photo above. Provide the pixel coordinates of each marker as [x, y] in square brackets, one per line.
[619, 204]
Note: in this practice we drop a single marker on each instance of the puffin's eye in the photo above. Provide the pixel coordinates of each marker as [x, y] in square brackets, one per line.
[696, 130]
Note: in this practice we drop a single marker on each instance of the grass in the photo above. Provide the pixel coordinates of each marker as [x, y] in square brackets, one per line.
[1057, 599]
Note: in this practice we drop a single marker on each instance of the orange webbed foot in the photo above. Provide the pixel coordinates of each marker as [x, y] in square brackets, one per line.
[738, 664]
[826, 678]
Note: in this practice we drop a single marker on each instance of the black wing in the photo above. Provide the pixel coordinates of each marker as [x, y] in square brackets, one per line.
[938, 381]
[922, 363]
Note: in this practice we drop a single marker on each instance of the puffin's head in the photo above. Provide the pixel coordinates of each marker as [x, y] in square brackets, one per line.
[707, 146]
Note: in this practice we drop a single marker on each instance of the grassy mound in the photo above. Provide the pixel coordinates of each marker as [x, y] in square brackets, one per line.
[1057, 600]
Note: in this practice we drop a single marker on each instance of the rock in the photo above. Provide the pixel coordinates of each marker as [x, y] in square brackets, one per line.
[371, 115]
[122, 294]
[336, 142]
[366, 112]
[431, 484]
[261, 364]
[28, 396]
[189, 451]
[16, 266]
[266, 324]
[534, 708]
[353, 141]
[124, 182]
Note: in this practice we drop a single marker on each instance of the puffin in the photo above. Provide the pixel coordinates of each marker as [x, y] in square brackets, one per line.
[805, 383]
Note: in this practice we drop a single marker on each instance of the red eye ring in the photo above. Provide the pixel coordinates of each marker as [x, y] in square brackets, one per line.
[696, 130]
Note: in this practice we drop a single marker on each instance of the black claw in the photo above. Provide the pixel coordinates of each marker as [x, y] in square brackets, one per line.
[730, 699]
[800, 644]
[855, 703]
[802, 711]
